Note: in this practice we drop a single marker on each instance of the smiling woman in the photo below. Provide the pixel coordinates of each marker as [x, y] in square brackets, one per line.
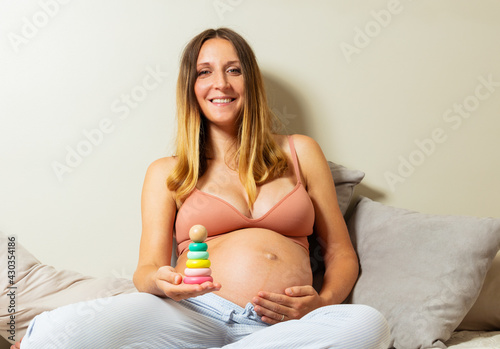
[220, 88]
[276, 191]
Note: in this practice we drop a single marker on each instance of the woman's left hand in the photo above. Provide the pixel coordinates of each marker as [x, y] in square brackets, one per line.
[294, 304]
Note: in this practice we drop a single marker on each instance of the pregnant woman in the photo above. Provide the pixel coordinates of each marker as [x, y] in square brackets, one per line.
[260, 195]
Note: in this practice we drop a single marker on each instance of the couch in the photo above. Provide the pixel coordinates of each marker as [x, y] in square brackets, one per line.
[435, 278]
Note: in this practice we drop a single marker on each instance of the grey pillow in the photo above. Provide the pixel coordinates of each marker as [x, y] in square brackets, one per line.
[345, 180]
[485, 313]
[422, 272]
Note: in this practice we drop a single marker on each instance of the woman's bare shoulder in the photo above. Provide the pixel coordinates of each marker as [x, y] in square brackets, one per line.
[161, 168]
[312, 161]
[305, 145]
[155, 181]
[299, 140]
[163, 165]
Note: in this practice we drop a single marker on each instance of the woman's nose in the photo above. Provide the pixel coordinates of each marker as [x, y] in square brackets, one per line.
[220, 81]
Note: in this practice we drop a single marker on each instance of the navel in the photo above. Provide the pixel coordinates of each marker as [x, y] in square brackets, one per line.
[271, 256]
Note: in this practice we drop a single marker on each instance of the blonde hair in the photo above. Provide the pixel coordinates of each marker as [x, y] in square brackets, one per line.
[258, 157]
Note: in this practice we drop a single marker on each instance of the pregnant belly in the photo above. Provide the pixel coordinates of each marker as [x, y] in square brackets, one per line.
[247, 261]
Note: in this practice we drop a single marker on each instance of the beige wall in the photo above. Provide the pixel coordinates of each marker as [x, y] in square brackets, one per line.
[407, 91]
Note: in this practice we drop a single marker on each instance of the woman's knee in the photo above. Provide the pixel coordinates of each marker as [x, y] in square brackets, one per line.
[354, 325]
[66, 326]
[373, 326]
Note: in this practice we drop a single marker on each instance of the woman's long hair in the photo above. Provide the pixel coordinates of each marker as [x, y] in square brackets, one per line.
[258, 157]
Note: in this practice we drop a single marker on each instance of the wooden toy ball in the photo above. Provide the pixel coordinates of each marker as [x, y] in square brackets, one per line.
[198, 233]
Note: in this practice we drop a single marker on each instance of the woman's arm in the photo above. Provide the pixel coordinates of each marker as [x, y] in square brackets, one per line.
[154, 273]
[340, 259]
[158, 214]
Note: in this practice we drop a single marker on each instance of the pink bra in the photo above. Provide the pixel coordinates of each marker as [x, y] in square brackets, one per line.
[292, 216]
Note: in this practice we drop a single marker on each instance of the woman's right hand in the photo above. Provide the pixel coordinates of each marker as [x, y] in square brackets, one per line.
[170, 282]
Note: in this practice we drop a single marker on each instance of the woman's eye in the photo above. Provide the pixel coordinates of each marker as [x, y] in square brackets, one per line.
[203, 72]
[234, 70]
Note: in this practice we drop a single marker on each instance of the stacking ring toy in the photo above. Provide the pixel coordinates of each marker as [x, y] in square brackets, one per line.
[198, 233]
[198, 263]
[197, 271]
[197, 255]
[198, 246]
[197, 279]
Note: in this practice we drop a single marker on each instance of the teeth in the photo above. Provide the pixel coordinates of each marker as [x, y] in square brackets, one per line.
[221, 100]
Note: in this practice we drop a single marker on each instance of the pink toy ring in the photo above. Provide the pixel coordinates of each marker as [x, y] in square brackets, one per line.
[197, 271]
[197, 279]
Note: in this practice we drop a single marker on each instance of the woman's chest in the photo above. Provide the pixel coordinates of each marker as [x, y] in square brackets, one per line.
[228, 187]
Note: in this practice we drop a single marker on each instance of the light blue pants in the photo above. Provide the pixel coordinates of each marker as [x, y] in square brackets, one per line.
[142, 320]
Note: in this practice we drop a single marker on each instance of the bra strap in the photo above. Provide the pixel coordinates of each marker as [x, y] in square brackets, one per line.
[294, 158]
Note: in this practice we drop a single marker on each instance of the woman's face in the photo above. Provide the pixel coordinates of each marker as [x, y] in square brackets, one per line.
[219, 87]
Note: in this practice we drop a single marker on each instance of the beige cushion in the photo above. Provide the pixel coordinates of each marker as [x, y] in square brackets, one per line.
[40, 287]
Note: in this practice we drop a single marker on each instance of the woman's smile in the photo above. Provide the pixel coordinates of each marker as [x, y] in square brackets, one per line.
[222, 101]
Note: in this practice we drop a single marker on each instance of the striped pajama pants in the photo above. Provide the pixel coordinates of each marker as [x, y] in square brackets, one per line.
[142, 320]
